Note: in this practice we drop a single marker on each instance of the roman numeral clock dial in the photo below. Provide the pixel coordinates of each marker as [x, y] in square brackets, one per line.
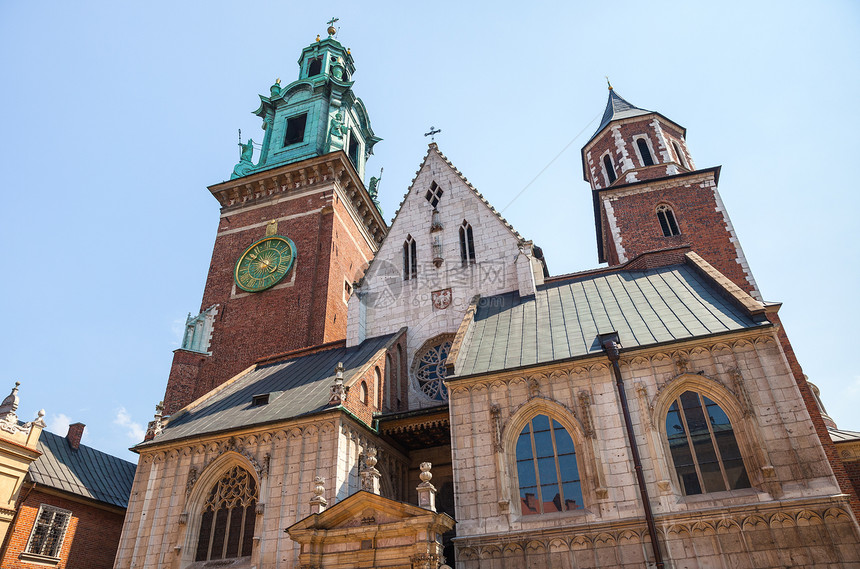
[264, 263]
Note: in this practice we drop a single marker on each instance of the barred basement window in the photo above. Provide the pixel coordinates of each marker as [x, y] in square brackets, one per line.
[295, 129]
[48, 532]
[467, 244]
[546, 468]
[434, 194]
[410, 259]
[609, 169]
[703, 446]
[666, 217]
[229, 515]
[644, 152]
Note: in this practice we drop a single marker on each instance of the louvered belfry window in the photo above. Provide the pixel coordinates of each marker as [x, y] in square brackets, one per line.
[49, 531]
[227, 527]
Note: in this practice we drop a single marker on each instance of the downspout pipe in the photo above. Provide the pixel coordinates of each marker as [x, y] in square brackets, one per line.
[611, 346]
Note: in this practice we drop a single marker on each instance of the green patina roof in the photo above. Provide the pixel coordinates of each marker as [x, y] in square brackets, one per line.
[562, 320]
[83, 471]
[297, 386]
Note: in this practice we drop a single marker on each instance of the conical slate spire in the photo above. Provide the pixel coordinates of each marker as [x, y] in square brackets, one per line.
[617, 108]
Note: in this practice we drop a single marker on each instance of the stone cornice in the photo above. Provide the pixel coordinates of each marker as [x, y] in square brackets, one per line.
[593, 362]
[334, 167]
[729, 519]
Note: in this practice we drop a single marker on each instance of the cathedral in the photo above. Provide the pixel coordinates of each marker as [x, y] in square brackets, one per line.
[425, 394]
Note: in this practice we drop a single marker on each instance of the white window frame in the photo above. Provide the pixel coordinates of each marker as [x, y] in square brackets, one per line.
[650, 149]
[60, 541]
[603, 167]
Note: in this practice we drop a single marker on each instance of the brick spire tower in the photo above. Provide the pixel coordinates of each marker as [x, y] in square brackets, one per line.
[296, 229]
[648, 194]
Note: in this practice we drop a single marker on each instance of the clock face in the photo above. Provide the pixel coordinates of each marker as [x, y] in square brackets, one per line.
[264, 263]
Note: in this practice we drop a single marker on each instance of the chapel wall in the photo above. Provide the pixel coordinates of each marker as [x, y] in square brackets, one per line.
[285, 461]
[792, 483]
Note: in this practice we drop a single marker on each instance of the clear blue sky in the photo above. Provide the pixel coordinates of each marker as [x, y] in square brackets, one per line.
[116, 117]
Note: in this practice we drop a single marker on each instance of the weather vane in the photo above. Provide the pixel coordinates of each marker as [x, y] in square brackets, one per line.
[432, 134]
[607, 82]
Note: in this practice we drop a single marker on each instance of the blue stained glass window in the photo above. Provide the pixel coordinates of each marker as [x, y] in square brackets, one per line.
[703, 446]
[546, 468]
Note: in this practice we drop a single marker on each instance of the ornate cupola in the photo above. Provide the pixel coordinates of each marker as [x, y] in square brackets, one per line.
[632, 145]
[314, 115]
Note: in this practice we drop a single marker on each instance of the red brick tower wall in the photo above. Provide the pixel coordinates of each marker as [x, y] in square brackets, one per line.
[306, 308]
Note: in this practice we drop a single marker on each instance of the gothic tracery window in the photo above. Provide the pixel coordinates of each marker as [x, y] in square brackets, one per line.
[703, 446]
[668, 224]
[430, 370]
[227, 525]
[546, 468]
[434, 194]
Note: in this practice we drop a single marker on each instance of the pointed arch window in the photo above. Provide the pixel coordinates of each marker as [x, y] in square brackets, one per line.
[680, 154]
[546, 468]
[410, 259]
[703, 446]
[229, 516]
[467, 244]
[668, 224]
[644, 152]
[609, 169]
[363, 393]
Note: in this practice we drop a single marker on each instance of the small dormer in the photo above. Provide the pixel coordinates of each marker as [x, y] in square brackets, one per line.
[633, 145]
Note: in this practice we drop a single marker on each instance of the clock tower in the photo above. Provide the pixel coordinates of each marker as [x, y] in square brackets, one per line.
[297, 228]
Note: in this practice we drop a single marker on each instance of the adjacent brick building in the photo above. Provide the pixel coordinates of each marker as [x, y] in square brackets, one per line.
[70, 510]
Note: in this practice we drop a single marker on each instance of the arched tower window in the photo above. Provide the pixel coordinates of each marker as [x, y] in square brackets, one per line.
[644, 152]
[467, 244]
[363, 393]
[410, 259]
[703, 446]
[666, 217]
[546, 468]
[315, 67]
[680, 154]
[227, 527]
[609, 169]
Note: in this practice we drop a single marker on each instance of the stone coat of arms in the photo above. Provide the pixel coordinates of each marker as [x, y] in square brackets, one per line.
[441, 298]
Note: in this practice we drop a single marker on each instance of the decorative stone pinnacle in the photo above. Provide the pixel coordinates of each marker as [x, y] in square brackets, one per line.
[370, 476]
[338, 390]
[426, 491]
[318, 503]
[426, 475]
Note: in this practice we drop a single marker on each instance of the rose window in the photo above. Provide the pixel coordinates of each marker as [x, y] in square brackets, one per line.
[430, 371]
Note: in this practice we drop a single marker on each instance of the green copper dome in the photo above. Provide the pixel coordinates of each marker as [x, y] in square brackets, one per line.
[314, 115]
